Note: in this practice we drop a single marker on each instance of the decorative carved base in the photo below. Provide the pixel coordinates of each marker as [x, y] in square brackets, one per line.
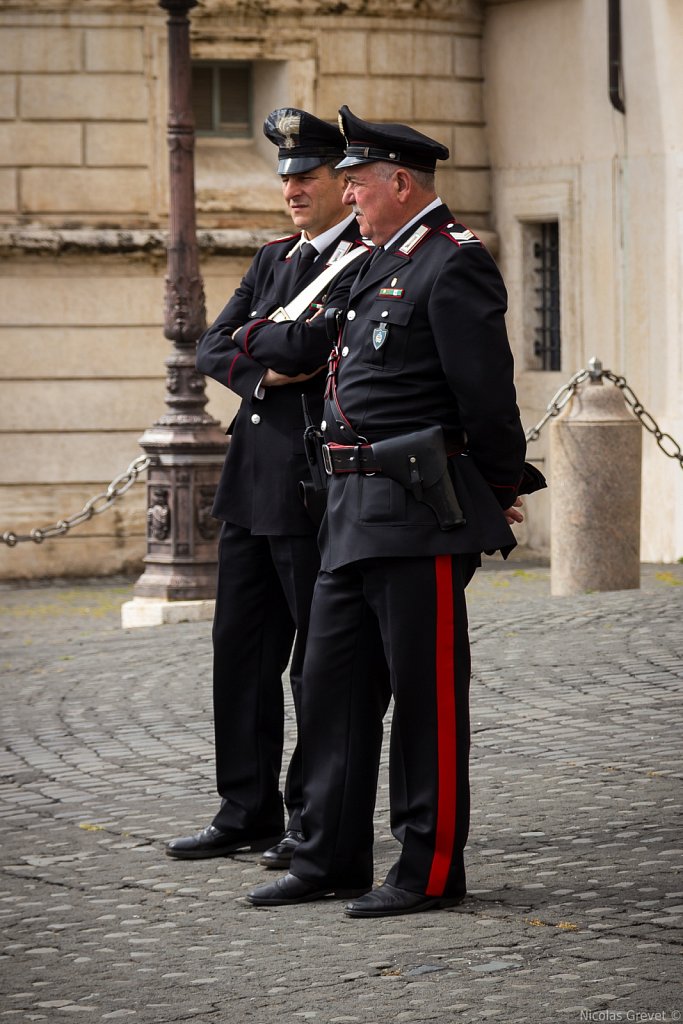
[182, 536]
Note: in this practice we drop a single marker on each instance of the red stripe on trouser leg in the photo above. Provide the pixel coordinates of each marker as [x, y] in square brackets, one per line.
[445, 724]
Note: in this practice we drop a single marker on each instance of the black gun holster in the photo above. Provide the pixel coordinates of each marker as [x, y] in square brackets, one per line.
[419, 462]
[313, 492]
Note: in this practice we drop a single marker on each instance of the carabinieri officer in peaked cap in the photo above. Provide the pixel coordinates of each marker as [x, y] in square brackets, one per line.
[425, 451]
[268, 555]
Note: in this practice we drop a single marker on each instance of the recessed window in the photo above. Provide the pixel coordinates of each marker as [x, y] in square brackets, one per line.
[547, 349]
[221, 98]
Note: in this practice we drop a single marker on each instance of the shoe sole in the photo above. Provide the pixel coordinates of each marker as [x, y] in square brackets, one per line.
[436, 904]
[321, 894]
[255, 846]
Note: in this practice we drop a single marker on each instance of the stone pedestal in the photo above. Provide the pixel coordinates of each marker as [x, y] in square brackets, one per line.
[595, 466]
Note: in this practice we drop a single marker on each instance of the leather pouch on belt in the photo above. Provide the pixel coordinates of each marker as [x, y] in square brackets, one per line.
[419, 462]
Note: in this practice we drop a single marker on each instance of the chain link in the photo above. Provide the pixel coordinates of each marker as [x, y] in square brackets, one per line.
[93, 507]
[666, 442]
[557, 403]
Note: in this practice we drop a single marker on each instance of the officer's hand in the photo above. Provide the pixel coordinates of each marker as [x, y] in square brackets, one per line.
[271, 379]
[512, 514]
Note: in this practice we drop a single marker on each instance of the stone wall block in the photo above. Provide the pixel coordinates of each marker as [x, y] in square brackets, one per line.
[343, 53]
[470, 148]
[8, 191]
[432, 53]
[40, 49]
[390, 52]
[72, 97]
[467, 57]
[8, 97]
[68, 405]
[473, 190]
[42, 145]
[50, 458]
[74, 297]
[117, 145]
[455, 101]
[114, 49]
[373, 99]
[58, 352]
[112, 551]
[23, 507]
[103, 191]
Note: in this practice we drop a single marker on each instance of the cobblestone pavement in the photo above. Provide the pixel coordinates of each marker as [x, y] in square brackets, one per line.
[575, 859]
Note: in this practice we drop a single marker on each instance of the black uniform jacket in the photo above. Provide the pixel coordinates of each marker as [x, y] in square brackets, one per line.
[258, 486]
[425, 343]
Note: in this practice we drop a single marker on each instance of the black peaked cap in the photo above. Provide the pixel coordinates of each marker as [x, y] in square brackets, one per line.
[303, 141]
[395, 143]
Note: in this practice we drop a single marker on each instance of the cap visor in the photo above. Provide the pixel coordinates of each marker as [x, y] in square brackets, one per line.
[299, 164]
[352, 161]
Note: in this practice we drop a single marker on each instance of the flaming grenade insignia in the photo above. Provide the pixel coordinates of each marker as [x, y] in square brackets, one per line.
[289, 126]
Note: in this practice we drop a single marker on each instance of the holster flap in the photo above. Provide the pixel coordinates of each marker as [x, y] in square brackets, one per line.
[421, 454]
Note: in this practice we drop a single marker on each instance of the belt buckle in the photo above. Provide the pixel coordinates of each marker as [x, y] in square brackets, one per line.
[327, 459]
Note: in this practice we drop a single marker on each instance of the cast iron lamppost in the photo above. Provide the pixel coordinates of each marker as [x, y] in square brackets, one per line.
[186, 445]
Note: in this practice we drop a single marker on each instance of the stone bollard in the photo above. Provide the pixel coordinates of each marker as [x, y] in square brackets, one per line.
[595, 463]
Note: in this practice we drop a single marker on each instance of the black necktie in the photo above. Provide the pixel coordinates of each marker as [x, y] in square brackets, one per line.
[376, 253]
[305, 258]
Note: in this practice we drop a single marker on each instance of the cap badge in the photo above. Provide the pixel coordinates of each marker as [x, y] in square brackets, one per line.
[288, 126]
[380, 335]
[340, 122]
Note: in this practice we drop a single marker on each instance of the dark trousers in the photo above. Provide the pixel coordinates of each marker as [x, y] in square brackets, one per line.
[419, 604]
[263, 599]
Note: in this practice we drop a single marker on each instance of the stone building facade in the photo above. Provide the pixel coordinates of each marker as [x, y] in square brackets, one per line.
[516, 89]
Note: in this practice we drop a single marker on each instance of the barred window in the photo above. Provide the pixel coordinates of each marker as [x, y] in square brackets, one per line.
[222, 98]
[546, 271]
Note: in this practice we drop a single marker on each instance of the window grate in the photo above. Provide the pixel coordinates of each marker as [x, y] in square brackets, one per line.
[547, 339]
[221, 98]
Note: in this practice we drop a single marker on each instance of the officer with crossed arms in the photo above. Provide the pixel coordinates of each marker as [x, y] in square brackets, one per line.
[268, 556]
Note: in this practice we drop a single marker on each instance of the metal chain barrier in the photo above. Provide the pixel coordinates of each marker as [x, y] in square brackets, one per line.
[93, 507]
[666, 442]
[120, 484]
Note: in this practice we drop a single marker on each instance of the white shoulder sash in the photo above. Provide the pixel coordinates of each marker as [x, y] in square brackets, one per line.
[301, 302]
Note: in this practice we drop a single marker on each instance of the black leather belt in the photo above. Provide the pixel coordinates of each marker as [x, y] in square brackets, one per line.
[350, 459]
[360, 458]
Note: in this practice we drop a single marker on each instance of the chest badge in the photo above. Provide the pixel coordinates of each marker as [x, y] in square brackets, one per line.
[380, 335]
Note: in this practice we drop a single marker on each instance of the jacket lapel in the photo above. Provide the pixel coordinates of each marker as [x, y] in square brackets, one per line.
[394, 259]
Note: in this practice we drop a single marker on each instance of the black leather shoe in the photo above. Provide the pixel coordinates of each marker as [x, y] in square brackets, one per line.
[387, 901]
[280, 855]
[211, 842]
[290, 889]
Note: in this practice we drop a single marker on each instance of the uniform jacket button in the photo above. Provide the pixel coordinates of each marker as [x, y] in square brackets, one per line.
[255, 419]
[351, 315]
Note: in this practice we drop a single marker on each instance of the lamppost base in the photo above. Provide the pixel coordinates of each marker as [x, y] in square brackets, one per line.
[182, 535]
